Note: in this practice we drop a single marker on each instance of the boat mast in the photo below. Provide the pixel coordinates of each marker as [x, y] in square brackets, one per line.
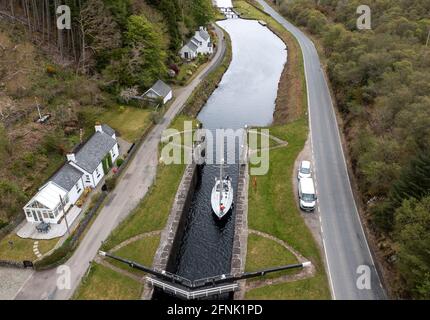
[221, 181]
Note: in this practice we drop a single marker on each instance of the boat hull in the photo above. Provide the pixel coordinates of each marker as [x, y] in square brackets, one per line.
[222, 203]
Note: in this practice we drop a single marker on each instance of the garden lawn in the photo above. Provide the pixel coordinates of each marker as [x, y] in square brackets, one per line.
[130, 122]
[23, 248]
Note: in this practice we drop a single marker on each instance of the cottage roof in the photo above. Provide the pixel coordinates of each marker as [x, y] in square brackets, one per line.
[192, 45]
[67, 177]
[94, 151]
[161, 89]
[108, 130]
[204, 34]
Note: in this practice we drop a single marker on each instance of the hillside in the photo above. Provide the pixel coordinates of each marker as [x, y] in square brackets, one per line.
[76, 76]
[381, 82]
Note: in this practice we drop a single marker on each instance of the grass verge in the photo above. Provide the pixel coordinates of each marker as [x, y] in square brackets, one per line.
[102, 283]
[141, 251]
[258, 257]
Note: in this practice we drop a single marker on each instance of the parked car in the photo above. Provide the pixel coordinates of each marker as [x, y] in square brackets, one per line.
[307, 195]
[304, 170]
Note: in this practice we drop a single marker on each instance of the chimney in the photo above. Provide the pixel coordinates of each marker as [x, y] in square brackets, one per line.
[98, 127]
[71, 157]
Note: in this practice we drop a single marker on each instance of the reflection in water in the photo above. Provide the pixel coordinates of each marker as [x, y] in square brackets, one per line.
[247, 92]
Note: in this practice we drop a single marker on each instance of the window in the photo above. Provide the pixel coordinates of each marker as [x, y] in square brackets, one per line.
[87, 178]
[78, 188]
[51, 215]
[45, 215]
[28, 212]
[97, 173]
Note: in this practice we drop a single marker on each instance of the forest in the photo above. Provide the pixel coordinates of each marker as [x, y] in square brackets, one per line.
[101, 38]
[381, 83]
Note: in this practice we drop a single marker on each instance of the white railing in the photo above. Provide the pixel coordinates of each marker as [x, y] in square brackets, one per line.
[195, 293]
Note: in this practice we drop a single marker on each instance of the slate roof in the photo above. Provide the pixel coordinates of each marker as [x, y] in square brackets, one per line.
[204, 34]
[161, 88]
[67, 177]
[192, 45]
[93, 152]
[108, 130]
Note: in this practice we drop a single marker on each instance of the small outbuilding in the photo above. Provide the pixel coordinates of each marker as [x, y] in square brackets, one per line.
[159, 90]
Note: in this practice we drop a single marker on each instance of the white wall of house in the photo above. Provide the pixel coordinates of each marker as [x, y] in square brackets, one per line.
[76, 192]
[151, 94]
[98, 174]
[87, 178]
[168, 97]
[114, 153]
[187, 53]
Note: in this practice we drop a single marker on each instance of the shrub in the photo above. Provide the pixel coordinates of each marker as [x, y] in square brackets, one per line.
[119, 162]
[50, 70]
[155, 117]
[111, 183]
[56, 258]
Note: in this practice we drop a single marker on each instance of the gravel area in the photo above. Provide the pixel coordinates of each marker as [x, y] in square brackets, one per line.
[11, 281]
[312, 219]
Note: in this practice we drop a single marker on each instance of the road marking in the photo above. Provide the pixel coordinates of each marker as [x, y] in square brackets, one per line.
[22, 286]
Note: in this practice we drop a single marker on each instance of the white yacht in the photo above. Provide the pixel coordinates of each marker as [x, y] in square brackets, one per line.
[222, 194]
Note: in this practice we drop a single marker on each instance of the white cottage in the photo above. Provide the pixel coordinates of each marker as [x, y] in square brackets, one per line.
[83, 169]
[200, 43]
[159, 90]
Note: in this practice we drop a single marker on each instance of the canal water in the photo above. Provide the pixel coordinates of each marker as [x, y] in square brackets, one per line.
[245, 96]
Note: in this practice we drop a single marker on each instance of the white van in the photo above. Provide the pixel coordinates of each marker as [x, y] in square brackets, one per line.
[307, 195]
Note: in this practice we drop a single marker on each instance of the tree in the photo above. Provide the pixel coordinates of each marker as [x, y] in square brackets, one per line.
[146, 57]
[100, 31]
[412, 235]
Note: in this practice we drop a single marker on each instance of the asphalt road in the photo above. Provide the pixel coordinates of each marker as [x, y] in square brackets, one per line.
[345, 244]
[130, 190]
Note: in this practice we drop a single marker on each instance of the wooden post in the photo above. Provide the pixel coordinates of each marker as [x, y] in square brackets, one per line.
[65, 216]
[428, 38]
